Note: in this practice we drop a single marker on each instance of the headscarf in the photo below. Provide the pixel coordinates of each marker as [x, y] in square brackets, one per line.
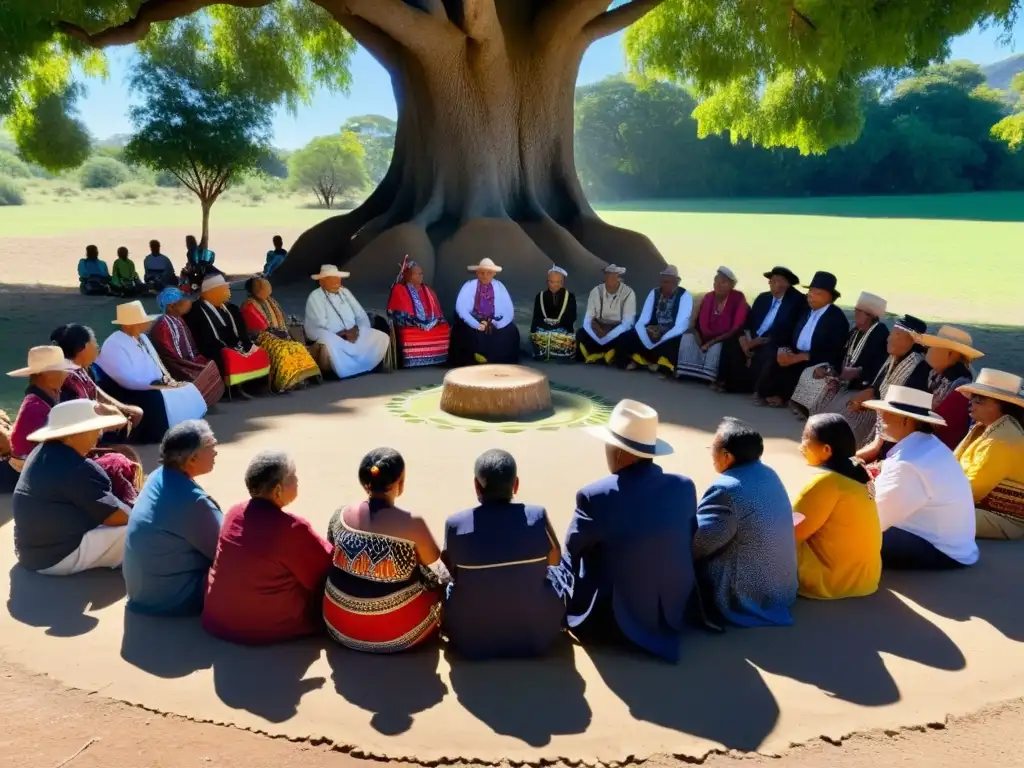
[168, 296]
[406, 265]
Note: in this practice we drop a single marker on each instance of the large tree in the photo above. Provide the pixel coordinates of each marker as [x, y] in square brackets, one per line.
[329, 167]
[483, 160]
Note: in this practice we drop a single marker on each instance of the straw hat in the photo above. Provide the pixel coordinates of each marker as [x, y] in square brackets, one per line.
[952, 338]
[42, 360]
[133, 313]
[727, 273]
[872, 304]
[905, 401]
[633, 427]
[485, 264]
[670, 271]
[73, 418]
[999, 385]
[329, 270]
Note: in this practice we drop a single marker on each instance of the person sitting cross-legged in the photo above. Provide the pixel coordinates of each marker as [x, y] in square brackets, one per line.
[628, 544]
[177, 349]
[124, 279]
[291, 364]
[276, 257]
[654, 341]
[723, 311]
[507, 598]
[157, 270]
[484, 328]
[93, 275]
[611, 312]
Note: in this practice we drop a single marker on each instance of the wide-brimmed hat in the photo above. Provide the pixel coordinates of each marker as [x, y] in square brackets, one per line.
[633, 427]
[912, 325]
[73, 418]
[329, 270]
[791, 278]
[949, 337]
[44, 360]
[909, 402]
[728, 274]
[485, 264]
[999, 385]
[872, 304]
[133, 313]
[614, 269]
[825, 281]
[670, 271]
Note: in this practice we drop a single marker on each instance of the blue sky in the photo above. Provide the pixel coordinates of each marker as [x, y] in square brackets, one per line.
[104, 109]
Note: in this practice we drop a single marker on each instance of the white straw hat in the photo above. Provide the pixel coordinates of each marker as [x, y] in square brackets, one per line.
[615, 269]
[42, 360]
[329, 270]
[133, 313]
[909, 402]
[998, 385]
[952, 338]
[633, 427]
[73, 418]
[485, 264]
[872, 304]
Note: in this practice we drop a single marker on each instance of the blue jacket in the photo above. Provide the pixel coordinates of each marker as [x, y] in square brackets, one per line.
[744, 547]
[630, 541]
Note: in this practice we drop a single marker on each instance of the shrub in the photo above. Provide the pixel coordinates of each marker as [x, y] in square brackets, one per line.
[167, 180]
[10, 192]
[13, 167]
[132, 190]
[65, 190]
[103, 173]
[254, 190]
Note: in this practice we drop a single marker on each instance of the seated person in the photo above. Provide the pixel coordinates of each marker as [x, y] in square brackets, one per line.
[382, 593]
[507, 595]
[132, 371]
[654, 341]
[276, 257]
[769, 325]
[267, 578]
[611, 312]
[924, 499]
[291, 365]
[172, 532]
[553, 327]
[158, 271]
[839, 539]
[173, 342]
[337, 320]
[723, 311]
[819, 337]
[992, 454]
[93, 276]
[628, 539]
[421, 332]
[67, 518]
[950, 352]
[743, 548]
[484, 329]
[198, 263]
[47, 371]
[221, 336]
[865, 352]
[124, 279]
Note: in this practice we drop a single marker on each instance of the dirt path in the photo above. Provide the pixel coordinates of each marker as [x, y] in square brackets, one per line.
[45, 725]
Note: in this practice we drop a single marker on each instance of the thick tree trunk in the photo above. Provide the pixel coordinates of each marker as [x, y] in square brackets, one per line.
[205, 205]
[483, 166]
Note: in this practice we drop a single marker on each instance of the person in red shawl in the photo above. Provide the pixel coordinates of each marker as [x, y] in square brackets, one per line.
[421, 332]
[177, 349]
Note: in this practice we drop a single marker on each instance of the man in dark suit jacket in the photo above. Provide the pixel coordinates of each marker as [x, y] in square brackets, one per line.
[630, 540]
[769, 326]
[819, 337]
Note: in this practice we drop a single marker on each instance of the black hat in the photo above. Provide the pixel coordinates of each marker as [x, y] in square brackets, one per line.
[825, 281]
[783, 272]
[911, 324]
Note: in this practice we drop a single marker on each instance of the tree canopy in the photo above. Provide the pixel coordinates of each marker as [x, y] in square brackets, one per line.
[1011, 128]
[377, 135]
[329, 167]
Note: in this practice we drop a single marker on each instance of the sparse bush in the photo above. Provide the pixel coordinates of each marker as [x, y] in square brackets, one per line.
[167, 180]
[103, 173]
[132, 190]
[254, 190]
[13, 167]
[65, 190]
[10, 192]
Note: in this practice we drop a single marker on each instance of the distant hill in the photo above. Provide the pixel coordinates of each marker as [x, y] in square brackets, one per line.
[1002, 72]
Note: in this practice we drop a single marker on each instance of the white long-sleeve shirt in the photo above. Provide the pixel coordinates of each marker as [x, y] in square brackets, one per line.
[608, 308]
[504, 311]
[680, 326]
[327, 314]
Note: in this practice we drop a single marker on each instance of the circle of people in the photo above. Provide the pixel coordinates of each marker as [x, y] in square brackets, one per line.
[917, 459]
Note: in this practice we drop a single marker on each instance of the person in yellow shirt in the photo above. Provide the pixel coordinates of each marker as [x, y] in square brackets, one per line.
[992, 454]
[839, 540]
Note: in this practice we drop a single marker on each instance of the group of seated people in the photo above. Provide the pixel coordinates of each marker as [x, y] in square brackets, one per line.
[642, 562]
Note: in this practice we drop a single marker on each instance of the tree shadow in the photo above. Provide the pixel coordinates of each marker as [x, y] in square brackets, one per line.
[60, 603]
[6, 509]
[166, 647]
[529, 699]
[394, 687]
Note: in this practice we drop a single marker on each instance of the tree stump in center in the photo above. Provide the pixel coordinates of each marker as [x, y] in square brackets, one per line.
[495, 392]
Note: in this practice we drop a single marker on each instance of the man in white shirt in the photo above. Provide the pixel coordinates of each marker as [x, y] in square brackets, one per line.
[654, 341]
[924, 499]
[611, 312]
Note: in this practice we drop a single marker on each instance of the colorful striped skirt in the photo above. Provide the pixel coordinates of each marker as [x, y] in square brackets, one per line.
[553, 344]
[240, 368]
[418, 347]
[694, 363]
[383, 624]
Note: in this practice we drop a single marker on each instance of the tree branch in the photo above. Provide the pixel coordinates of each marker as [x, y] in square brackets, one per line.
[414, 29]
[568, 17]
[480, 19]
[610, 22]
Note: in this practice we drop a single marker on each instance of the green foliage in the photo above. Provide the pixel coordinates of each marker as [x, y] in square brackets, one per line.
[48, 132]
[167, 180]
[274, 164]
[13, 167]
[1011, 128]
[133, 190]
[103, 173]
[10, 192]
[329, 166]
[377, 135]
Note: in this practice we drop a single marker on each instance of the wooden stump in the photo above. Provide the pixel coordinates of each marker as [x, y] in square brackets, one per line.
[495, 392]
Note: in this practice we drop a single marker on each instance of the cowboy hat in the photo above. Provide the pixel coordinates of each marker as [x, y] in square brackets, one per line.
[73, 418]
[487, 265]
[872, 304]
[952, 338]
[43, 360]
[633, 427]
[909, 402]
[825, 281]
[791, 278]
[329, 270]
[132, 313]
[999, 385]
[670, 271]
[728, 274]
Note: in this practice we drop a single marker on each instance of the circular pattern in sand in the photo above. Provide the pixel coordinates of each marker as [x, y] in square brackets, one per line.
[496, 393]
[570, 407]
